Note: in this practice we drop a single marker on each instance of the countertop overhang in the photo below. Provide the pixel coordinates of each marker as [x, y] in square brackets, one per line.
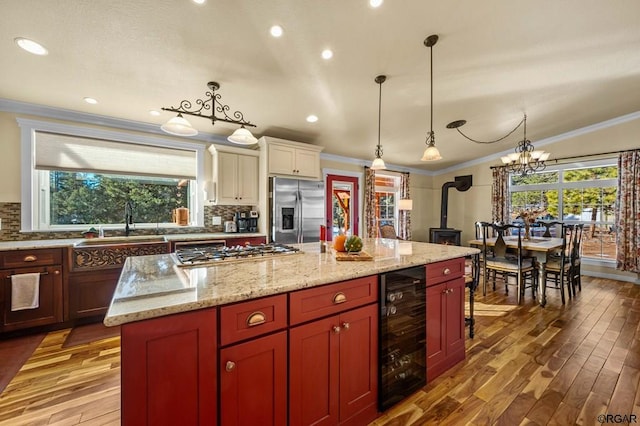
[154, 286]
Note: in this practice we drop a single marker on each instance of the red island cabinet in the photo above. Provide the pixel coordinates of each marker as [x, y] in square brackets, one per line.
[253, 373]
[169, 370]
[445, 316]
[333, 360]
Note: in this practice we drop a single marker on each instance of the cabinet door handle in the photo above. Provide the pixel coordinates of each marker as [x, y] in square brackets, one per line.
[346, 325]
[230, 366]
[339, 298]
[56, 272]
[30, 258]
[336, 329]
[256, 318]
[446, 271]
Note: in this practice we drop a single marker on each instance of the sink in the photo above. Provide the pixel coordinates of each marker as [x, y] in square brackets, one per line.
[134, 239]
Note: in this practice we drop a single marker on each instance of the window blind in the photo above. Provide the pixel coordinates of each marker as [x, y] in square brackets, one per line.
[63, 152]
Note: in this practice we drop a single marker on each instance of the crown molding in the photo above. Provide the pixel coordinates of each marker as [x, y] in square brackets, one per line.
[18, 107]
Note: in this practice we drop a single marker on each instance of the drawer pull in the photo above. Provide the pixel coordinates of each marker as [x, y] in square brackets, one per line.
[339, 298]
[230, 366]
[256, 318]
[30, 258]
[446, 271]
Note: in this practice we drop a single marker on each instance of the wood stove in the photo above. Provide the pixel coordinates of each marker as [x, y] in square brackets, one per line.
[445, 235]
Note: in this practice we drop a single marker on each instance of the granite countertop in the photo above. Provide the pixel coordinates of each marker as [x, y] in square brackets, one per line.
[70, 242]
[154, 286]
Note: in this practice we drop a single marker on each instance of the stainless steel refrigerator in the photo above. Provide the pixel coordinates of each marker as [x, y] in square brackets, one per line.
[297, 210]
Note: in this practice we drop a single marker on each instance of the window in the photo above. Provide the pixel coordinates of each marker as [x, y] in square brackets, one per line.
[79, 177]
[584, 193]
[387, 197]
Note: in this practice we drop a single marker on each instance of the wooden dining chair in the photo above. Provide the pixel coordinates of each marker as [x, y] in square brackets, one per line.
[388, 231]
[548, 226]
[575, 258]
[517, 265]
[471, 281]
[558, 267]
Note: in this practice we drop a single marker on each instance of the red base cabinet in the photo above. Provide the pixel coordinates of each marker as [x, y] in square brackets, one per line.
[253, 382]
[169, 370]
[333, 364]
[445, 316]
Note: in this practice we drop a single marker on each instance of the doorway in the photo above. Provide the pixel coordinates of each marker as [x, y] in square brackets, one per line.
[342, 205]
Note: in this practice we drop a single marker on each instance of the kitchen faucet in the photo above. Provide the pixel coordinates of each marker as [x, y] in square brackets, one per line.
[128, 217]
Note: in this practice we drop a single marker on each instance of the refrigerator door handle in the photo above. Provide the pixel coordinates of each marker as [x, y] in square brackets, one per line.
[299, 207]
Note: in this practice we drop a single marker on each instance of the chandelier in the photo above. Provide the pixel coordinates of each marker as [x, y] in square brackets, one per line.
[378, 162]
[524, 161]
[431, 153]
[179, 126]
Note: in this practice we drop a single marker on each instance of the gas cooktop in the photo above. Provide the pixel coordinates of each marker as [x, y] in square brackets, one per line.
[214, 254]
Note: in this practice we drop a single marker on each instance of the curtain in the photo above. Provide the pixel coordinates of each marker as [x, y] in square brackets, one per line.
[627, 218]
[404, 221]
[500, 196]
[370, 202]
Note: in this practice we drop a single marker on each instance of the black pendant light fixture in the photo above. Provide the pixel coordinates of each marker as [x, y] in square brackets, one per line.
[431, 153]
[524, 161]
[179, 126]
[378, 162]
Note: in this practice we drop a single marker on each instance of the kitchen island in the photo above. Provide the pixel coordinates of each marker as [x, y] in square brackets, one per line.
[224, 342]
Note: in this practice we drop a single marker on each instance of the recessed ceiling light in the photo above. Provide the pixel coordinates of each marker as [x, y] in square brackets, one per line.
[375, 3]
[276, 31]
[91, 101]
[153, 111]
[31, 46]
[312, 118]
[327, 54]
[199, 1]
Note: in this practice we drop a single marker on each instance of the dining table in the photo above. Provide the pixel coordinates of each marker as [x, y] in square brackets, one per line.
[538, 247]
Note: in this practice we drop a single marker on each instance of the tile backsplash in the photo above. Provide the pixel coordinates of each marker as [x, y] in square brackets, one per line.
[10, 231]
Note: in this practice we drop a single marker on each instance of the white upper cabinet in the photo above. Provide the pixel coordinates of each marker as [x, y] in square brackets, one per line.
[235, 176]
[294, 159]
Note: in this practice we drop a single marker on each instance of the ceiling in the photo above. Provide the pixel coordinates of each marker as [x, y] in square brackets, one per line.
[566, 64]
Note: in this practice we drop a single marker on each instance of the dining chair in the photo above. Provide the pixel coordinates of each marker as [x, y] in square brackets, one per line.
[471, 281]
[388, 231]
[517, 265]
[548, 226]
[575, 258]
[558, 266]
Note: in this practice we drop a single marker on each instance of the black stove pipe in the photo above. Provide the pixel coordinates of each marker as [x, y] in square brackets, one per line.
[461, 183]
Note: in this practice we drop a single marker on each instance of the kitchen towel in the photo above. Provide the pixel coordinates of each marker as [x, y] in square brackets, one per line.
[25, 291]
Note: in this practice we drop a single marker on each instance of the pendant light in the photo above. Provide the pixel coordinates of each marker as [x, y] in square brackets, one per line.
[378, 162]
[431, 153]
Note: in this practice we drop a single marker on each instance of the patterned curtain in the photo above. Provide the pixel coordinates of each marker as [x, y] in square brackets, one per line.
[500, 195]
[370, 202]
[628, 212]
[404, 221]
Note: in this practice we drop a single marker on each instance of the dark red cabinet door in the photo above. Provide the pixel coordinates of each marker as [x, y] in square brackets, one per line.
[436, 345]
[333, 369]
[445, 326]
[169, 370]
[314, 373]
[359, 364]
[454, 316]
[253, 382]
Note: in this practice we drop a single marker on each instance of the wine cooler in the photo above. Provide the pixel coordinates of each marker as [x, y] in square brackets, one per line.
[402, 335]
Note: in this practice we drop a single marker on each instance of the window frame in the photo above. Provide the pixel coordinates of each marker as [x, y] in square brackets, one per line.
[396, 190]
[31, 179]
[561, 185]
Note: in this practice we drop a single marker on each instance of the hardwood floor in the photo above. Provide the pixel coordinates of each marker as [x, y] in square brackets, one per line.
[527, 365]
